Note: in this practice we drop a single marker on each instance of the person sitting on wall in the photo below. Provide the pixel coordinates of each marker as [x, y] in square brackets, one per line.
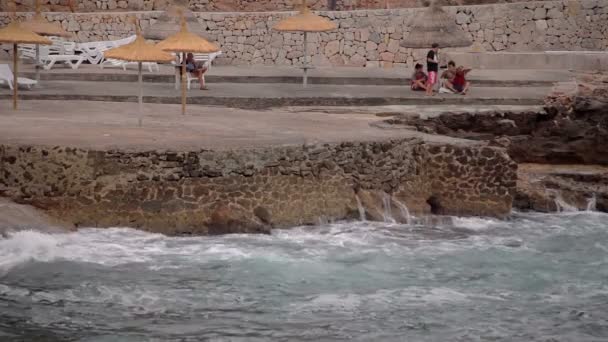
[447, 78]
[419, 78]
[196, 69]
[460, 83]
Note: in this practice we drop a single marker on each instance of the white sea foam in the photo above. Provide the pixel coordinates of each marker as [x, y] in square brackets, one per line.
[27, 245]
[475, 223]
[116, 246]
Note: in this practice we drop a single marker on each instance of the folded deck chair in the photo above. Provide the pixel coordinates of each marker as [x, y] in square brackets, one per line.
[6, 75]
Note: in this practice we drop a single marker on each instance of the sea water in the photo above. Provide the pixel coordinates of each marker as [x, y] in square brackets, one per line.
[536, 277]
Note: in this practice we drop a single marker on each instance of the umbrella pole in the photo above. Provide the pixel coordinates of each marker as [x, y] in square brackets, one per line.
[37, 65]
[141, 95]
[305, 79]
[177, 79]
[184, 84]
[15, 76]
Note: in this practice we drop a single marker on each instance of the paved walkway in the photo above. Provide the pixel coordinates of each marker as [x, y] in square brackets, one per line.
[247, 95]
[288, 74]
[277, 71]
[106, 125]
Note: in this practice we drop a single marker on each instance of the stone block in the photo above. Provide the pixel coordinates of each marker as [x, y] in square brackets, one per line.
[372, 64]
[357, 60]
[332, 48]
[541, 25]
[362, 35]
[540, 13]
[589, 4]
[554, 13]
[336, 60]
[462, 18]
[375, 37]
[371, 46]
[393, 46]
[474, 27]
[387, 56]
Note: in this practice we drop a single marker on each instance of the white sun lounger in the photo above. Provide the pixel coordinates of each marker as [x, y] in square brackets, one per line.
[93, 51]
[6, 76]
[59, 52]
[115, 63]
[73, 61]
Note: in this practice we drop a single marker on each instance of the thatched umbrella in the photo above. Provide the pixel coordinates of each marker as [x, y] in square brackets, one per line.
[185, 42]
[435, 26]
[139, 51]
[169, 23]
[14, 34]
[43, 27]
[305, 21]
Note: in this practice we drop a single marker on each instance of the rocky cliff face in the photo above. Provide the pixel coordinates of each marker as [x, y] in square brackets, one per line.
[213, 192]
[566, 142]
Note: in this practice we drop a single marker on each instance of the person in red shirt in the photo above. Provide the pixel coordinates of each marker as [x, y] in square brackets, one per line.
[419, 78]
[460, 83]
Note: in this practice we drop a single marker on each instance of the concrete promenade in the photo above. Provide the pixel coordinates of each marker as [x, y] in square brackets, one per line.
[103, 114]
[265, 95]
[108, 125]
[289, 74]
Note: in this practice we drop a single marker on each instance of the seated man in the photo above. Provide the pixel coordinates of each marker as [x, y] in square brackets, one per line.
[447, 77]
[196, 69]
[460, 83]
[419, 78]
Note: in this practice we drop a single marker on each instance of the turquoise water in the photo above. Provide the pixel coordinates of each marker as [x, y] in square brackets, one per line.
[536, 277]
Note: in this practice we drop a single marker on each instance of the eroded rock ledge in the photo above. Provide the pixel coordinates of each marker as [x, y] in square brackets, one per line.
[562, 149]
[215, 192]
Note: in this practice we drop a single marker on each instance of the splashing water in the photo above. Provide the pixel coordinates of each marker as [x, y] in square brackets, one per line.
[562, 205]
[592, 203]
[537, 277]
[387, 213]
[360, 208]
[405, 212]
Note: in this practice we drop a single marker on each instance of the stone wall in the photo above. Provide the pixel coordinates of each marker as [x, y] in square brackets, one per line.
[235, 5]
[208, 192]
[373, 37]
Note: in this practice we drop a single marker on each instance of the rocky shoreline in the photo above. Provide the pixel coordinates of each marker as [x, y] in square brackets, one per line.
[561, 150]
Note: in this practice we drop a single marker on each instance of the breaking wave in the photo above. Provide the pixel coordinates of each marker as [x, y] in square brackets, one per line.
[534, 277]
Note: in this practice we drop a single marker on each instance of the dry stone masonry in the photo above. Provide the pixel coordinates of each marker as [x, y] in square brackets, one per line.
[235, 5]
[213, 192]
[372, 38]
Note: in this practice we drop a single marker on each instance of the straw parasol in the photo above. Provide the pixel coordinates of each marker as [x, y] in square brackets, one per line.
[185, 41]
[435, 26]
[305, 21]
[38, 24]
[139, 51]
[14, 34]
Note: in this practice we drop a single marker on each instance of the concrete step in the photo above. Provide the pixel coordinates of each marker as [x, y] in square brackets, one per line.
[243, 95]
[211, 78]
